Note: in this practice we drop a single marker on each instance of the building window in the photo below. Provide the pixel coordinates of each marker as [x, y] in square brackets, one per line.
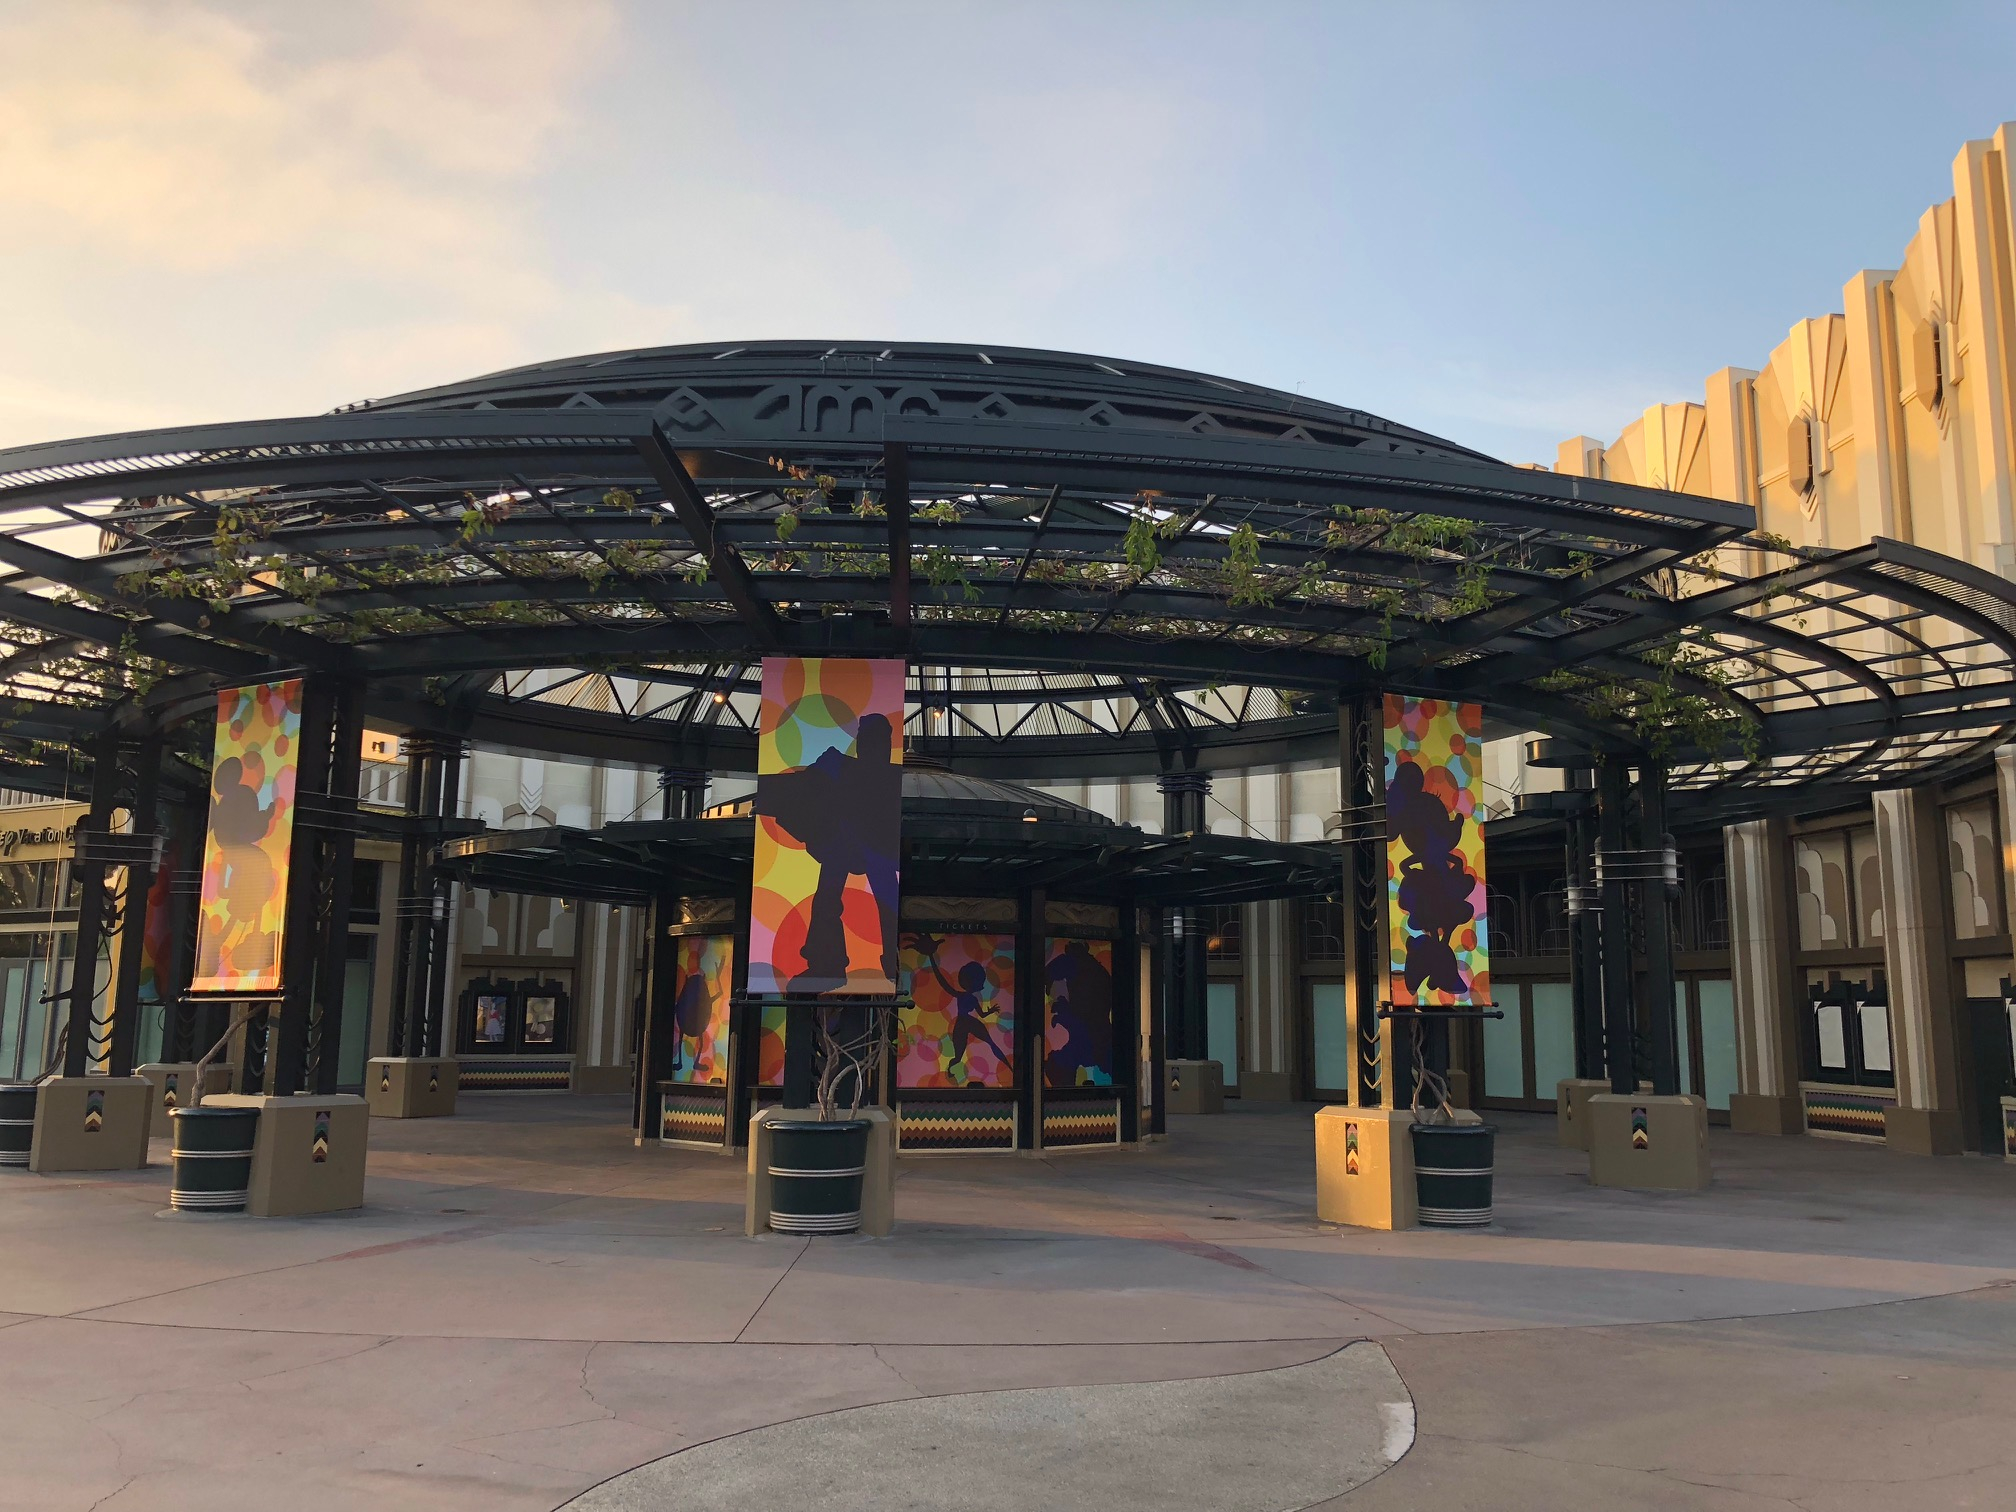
[1223, 930]
[1322, 929]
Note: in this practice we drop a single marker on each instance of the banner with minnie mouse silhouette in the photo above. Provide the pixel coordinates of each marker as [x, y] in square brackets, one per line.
[1436, 927]
[242, 915]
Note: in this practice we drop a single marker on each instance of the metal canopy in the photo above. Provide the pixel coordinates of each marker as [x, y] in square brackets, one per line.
[942, 855]
[1099, 567]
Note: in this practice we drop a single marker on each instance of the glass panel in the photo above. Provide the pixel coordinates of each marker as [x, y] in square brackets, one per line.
[1718, 1041]
[355, 1047]
[1330, 1036]
[1553, 1035]
[1684, 1042]
[13, 1008]
[1505, 1050]
[1833, 1038]
[1875, 1026]
[1221, 1019]
[1820, 865]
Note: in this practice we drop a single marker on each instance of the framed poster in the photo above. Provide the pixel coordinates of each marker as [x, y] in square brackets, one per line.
[1078, 1013]
[703, 980]
[242, 911]
[829, 809]
[493, 1019]
[959, 1030]
[542, 1016]
[1438, 951]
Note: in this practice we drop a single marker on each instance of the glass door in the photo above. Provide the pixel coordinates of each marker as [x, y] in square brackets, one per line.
[1329, 1043]
[1221, 1024]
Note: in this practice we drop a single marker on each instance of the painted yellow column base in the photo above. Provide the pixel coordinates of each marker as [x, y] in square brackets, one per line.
[1571, 1110]
[411, 1086]
[308, 1156]
[1365, 1167]
[1648, 1143]
[1923, 1131]
[878, 1183]
[92, 1123]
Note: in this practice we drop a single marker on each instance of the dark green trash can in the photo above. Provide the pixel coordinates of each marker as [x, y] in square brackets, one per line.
[1452, 1174]
[815, 1176]
[213, 1158]
[17, 1123]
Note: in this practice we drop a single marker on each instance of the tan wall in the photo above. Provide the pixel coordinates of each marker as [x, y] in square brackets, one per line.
[1895, 416]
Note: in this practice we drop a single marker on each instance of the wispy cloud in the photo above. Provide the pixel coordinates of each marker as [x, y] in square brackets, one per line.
[208, 219]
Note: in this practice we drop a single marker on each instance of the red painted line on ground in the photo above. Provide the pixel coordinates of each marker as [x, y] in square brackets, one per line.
[1204, 1250]
[424, 1241]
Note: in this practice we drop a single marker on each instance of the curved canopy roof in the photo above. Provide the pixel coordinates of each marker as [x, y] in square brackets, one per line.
[1094, 566]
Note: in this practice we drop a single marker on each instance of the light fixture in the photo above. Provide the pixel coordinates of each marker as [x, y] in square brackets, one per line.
[1028, 816]
[720, 697]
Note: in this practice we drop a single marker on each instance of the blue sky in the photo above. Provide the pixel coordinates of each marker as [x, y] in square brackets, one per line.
[1506, 223]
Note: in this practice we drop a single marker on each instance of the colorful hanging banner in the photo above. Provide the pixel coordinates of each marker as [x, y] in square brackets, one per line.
[1438, 952]
[242, 914]
[703, 983]
[829, 810]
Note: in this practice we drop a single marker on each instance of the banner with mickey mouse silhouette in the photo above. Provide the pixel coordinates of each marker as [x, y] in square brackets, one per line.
[242, 915]
[1436, 926]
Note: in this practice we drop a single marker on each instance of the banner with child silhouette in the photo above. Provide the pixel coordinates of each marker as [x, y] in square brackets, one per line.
[242, 915]
[1438, 949]
[829, 811]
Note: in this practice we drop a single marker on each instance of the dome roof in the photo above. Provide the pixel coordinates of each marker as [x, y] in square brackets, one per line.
[742, 392]
[928, 787]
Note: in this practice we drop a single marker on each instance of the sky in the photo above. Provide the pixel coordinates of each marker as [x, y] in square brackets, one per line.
[1504, 223]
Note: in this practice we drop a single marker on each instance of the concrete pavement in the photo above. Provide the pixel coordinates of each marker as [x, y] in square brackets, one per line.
[528, 1307]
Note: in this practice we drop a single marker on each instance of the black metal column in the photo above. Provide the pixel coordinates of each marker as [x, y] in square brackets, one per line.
[339, 857]
[1613, 790]
[94, 902]
[440, 887]
[683, 792]
[1183, 795]
[654, 1039]
[1658, 880]
[1362, 796]
[143, 855]
[1030, 932]
[410, 909]
[287, 1058]
[1585, 945]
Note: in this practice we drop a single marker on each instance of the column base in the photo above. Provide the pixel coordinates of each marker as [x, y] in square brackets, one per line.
[1571, 1110]
[1194, 1086]
[1766, 1113]
[1923, 1131]
[411, 1086]
[308, 1156]
[92, 1123]
[604, 1079]
[1266, 1086]
[1648, 1143]
[1365, 1167]
[878, 1184]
